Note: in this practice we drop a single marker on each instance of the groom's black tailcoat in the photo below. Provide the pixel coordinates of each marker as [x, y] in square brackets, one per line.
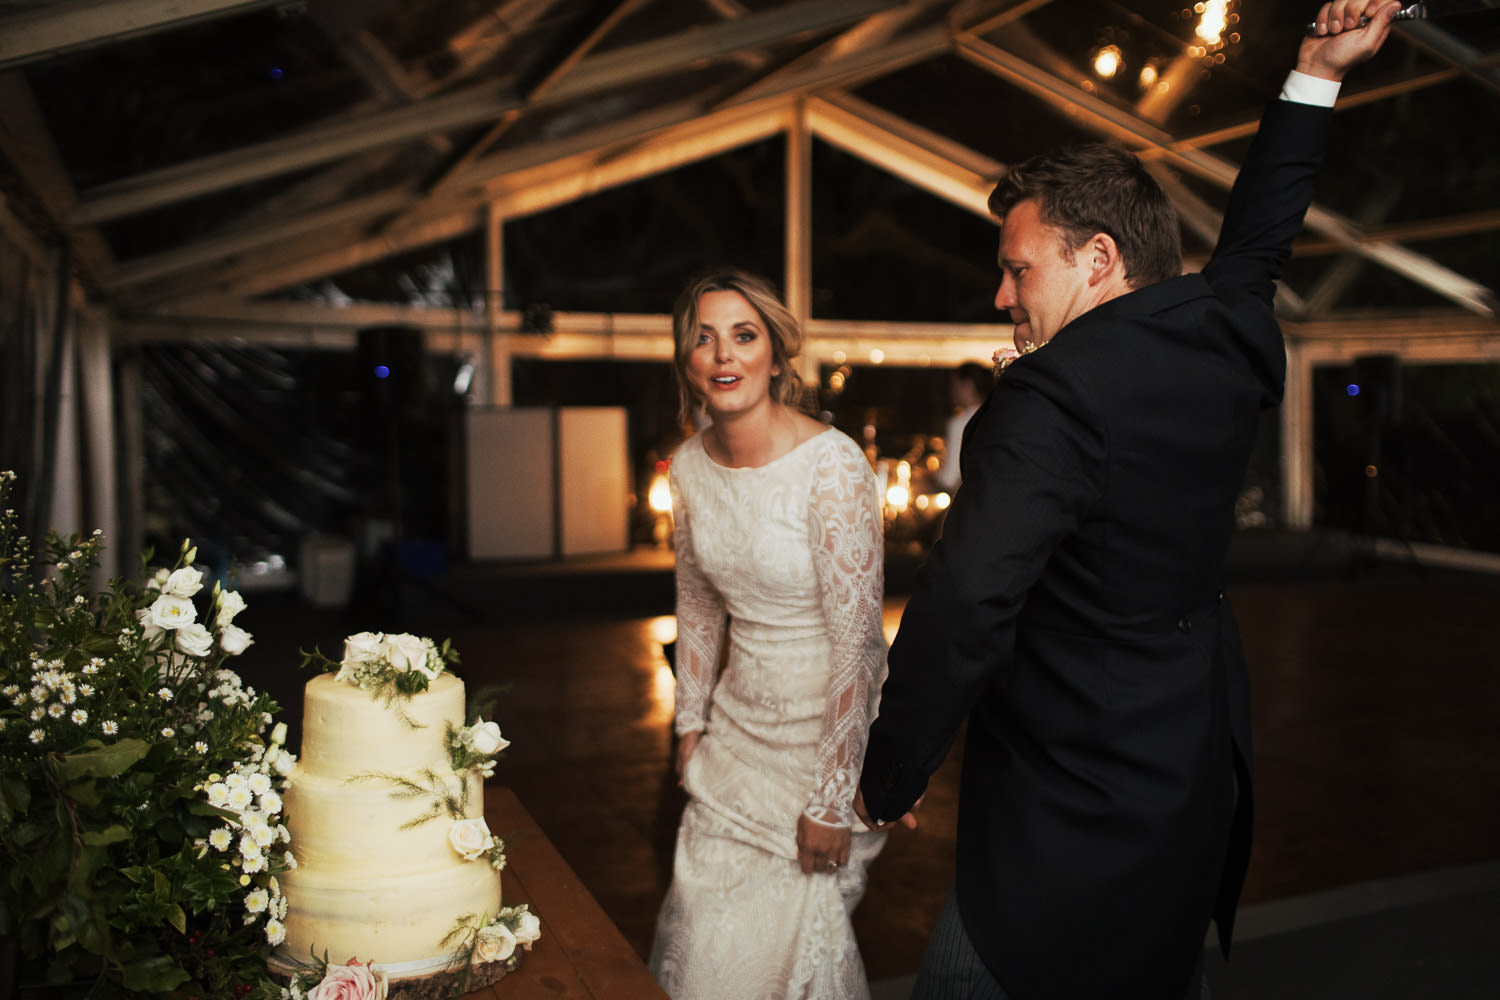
[1073, 611]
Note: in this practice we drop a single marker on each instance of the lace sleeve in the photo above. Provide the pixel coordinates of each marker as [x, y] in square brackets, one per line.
[700, 626]
[845, 531]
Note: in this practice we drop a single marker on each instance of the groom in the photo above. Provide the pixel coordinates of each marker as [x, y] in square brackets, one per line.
[1073, 609]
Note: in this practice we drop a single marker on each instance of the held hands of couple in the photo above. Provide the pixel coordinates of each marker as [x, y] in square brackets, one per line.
[1338, 42]
[909, 820]
[821, 848]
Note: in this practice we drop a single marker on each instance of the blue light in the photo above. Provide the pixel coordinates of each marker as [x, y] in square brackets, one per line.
[1352, 388]
[381, 371]
[276, 73]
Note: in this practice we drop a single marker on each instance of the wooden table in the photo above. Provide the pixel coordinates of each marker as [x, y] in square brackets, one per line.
[581, 953]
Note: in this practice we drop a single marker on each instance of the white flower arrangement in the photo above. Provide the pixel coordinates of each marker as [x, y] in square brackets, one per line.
[117, 717]
[248, 797]
[391, 665]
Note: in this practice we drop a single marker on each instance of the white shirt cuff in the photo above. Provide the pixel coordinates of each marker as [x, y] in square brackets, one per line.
[1303, 89]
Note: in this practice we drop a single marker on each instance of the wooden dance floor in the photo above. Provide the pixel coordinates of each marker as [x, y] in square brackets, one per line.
[1376, 692]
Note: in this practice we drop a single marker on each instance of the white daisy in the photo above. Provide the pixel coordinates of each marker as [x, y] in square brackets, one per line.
[110, 727]
[275, 932]
[256, 900]
[220, 839]
[168, 732]
[79, 716]
[37, 736]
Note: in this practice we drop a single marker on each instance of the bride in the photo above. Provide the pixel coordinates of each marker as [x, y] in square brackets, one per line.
[779, 558]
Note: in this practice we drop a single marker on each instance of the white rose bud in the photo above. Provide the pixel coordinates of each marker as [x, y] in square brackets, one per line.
[528, 930]
[470, 837]
[230, 604]
[183, 582]
[494, 943]
[278, 735]
[234, 640]
[486, 738]
[194, 640]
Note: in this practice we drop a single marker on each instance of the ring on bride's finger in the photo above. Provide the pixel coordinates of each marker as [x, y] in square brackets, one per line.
[833, 865]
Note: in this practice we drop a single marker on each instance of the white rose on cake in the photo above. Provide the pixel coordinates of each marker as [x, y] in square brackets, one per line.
[485, 738]
[471, 838]
[494, 943]
[359, 649]
[407, 652]
[528, 930]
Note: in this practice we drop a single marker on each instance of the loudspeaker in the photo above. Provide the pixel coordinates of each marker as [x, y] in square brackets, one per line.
[391, 366]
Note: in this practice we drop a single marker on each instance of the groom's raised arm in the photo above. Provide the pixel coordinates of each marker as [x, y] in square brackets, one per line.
[1275, 184]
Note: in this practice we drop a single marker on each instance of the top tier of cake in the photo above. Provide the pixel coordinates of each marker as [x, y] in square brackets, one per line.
[341, 736]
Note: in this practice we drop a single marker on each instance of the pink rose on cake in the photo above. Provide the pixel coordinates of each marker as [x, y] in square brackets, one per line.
[471, 838]
[350, 982]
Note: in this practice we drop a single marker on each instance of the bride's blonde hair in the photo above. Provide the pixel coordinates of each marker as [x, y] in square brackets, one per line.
[785, 334]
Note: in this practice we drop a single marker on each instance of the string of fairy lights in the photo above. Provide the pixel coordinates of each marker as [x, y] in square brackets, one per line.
[1214, 31]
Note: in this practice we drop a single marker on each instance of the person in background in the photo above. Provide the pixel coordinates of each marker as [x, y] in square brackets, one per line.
[1073, 610]
[779, 559]
[969, 385]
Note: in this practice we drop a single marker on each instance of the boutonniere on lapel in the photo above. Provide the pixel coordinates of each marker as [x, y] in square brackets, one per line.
[1003, 357]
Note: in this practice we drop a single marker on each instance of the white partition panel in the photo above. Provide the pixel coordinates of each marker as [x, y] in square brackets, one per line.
[510, 460]
[594, 480]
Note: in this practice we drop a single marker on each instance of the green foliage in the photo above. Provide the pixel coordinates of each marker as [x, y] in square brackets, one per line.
[133, 767]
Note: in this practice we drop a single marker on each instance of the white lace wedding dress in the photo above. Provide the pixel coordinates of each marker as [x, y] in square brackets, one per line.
[790, 553]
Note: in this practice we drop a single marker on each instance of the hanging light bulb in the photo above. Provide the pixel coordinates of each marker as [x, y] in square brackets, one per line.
[1108, 60]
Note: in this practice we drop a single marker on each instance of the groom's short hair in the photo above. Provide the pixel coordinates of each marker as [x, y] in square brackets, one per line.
[1098, 188]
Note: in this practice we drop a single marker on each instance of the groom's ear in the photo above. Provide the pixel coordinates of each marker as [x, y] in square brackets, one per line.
[1102, 257]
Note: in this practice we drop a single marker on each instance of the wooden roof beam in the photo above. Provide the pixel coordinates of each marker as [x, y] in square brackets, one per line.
[54, 28]
[486, 102]
[1130, 129]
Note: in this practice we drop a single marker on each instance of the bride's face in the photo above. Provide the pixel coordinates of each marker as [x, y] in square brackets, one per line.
[732, 363]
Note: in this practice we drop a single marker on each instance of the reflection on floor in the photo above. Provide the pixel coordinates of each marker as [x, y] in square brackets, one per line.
[1375, 704]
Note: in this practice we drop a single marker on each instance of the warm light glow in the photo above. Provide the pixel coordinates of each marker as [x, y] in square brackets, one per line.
[923, 501]
[1148, 76]
[897, 497]
[662, 684]
[1215, 20]
[662, 629]
[660, 497]
[1108, 61]
[836, 381]
[877, 356]
[839, 357]
[941, 501]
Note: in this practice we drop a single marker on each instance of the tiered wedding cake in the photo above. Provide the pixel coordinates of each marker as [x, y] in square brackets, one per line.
[385, 809]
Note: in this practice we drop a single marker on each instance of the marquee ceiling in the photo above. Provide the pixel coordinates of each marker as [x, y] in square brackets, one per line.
[186, 150]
